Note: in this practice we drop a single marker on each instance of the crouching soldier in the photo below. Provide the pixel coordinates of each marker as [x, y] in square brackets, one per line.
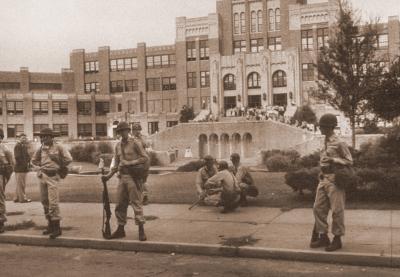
[52, 160]
[130, 159]
[244, 178]
[6, 169]
[226, 182]
[330, 195]
[205, 173]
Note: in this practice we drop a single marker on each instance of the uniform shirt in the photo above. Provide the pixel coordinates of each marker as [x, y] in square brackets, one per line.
[203, 175]
[46, 157]
[133, 150]
[6, 157]
[337, 150]
[242, 174]
[223, 179]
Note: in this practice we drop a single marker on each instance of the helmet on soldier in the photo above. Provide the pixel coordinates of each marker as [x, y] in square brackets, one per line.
[328, 120]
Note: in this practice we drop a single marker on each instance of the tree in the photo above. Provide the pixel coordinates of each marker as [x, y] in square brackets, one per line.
[348, 69]
[187, 114]
[305, 113]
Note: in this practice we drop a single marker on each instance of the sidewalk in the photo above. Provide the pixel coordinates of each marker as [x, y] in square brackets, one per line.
[373, 237]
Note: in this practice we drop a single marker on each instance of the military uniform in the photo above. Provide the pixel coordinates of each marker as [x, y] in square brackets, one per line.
[245, 180]
[202, 176]
[6, 160]
[143, 143]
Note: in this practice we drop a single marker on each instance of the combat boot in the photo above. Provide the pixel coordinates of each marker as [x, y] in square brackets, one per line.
[119, 233]
[335, 245]
[314, 236]
[322, 241]
[142, 235]
[49, 228]
[2, 229]
[56, 229]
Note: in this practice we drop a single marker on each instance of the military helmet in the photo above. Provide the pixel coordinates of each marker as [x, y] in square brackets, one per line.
[328, 120]
[46, 132]
[208, 158]
[122, 126]
[235, 156]
[136, 127]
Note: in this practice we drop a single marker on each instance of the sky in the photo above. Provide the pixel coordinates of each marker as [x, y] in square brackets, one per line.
[40, 34]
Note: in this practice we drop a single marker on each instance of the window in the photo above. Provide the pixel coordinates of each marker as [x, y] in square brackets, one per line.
[38, 127]
[119, 107]
[275, 43]
[253, 26]
[15, 107]
[92, 67]
[254, 101]
[123, 64]
[101, 130]
[323, 37]
[160, 61]
[204, 50]
[92, 87]
[62, 129]
[116, 86]
[308, 72]
[102, 108]
[131, 106]
[239, 46]
[277, 19]
[14, 130]
[153, 127]
[191, 101]
[84, 108]
[40, 107]
[191, 80]
[204, 79]
[191, 52]
[45, 86]
[259, 21]
[171, 124]
[9, 85]
[271, 20]
[229, 82]
[236, 24]
[279, 79]
[280, 99]
[169, 83]
[257, 45]
[153, 84]
[60, 107]
[205, 102]
[157, 61]
[131, 85]
[383, 41]
[307, 41]
[242, 23]
[154, 106]
[85, 130]
[253, 80]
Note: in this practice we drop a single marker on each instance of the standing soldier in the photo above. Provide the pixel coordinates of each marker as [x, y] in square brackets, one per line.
[205, 173]
[334, 156]
[136, 129]
[52, 159]
[6, 167]
[22, 160]
[130, 159]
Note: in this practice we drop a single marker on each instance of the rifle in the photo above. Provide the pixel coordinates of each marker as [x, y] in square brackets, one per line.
[201, 199]
[106, 228]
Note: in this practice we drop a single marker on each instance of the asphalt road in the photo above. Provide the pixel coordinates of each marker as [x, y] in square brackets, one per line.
[20, 261]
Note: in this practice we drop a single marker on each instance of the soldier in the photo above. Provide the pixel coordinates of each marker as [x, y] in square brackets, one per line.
[52, 159]
[6, 168]
[136, 129]
[230, 190]
[22, 161]
[205, 173]
[334, 155]
[130, 160]
[244, 178]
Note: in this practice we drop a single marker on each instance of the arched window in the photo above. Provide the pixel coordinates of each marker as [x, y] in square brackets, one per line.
[253, 22]
[279, 79]
[277, 19]
[229, 82]
[259, 21]
[271, 20]
[254, 80]
[242, 23]
[236, 23]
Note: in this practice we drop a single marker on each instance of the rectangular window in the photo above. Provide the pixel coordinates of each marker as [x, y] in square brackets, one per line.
[153, 84]
[84, 108]
[257, 45]
[45, 86]
[383, 41]
[169, 83]
[14, 130]
[9, 85]
[85, 130]
[92, 87]
[131, 85]
[102, 108]
[307, 40]
[131, 106]
[40, 107]
[149, 61]
[239, 46]
[101, 130]
[153, 127]
[308, 72]
[62, 129]
[191, 51]
[275, 43]
[323, 37]
[205, 79]
[123, 64]
[160, 61]
[60, 107]
[15, 107]
[164, 60]
[154, 106]
[38, 127]
[204, 50]
[92, 67]
[157, 61]
[172, 59]
[117, 86]
[191, 80]
[171, 124]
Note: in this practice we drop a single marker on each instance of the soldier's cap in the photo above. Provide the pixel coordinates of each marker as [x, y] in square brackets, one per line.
[328, 120]
[122, 126]
[46, 132]
[235, 156]
[136, 127]
[21, 135]
[222, 165]
[208, 158]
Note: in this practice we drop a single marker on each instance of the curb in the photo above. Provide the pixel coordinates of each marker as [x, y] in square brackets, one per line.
[356, 259]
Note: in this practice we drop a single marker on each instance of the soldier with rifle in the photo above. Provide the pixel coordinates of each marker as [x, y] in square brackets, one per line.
[6, 169]
[130, 159]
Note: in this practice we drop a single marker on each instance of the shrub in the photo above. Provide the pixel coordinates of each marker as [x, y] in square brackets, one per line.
[309, 161]
[153, 158]
[76, 152]
[303, 179]
[305, 113]
[191, 166]
[278, 163]
[105, 147]
[292, 155]
[90, 152]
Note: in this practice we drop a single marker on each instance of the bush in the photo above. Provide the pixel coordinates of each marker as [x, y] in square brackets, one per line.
[292, 155]
[105, 148]
[305, 113]
[278, 163]
[309, 161]
[191, 166]
[76, 152]
[90, 152]
[153, 158]
[303, 179]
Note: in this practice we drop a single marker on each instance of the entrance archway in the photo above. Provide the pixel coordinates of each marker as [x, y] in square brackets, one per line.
[247, 145]
[214, 145]
[224, 144]
[236, 143]
[203, 146]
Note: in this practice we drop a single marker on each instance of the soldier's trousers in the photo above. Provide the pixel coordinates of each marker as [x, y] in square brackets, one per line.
[329, 197]
[49, 196]
[129, 192]
[20, 178]
[2, 201]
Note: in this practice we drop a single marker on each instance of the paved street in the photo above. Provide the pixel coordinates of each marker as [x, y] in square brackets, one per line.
[20, 261]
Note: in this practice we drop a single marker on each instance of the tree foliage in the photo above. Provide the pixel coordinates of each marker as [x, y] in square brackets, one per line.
[305, 113]
[187, 114]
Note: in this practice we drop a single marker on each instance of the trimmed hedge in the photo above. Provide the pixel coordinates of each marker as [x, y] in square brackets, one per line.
[191, 166]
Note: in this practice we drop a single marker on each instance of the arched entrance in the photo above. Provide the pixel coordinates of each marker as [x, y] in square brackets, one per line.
[214, 145]
[203, 145]
[247, 145]
[236, 143]
[224, 144]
